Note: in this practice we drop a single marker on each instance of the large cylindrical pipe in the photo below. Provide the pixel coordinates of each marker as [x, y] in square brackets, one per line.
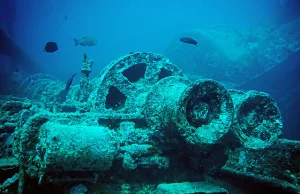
[45, 146]
[258, 122]
[201, 112]
[77, 148]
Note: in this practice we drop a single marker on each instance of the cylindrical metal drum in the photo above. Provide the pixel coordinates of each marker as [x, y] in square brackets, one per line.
[258, 122]
[201, 112]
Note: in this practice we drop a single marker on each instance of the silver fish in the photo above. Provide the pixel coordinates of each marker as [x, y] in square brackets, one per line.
[86, 41]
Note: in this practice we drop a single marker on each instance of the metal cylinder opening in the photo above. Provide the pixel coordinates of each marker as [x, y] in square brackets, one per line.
[201, 109]
[258, 117]
[207, 112]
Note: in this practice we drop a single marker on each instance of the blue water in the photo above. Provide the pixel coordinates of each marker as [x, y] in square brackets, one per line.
[121, 26]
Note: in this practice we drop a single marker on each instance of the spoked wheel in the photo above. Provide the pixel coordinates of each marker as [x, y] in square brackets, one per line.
[123, 85]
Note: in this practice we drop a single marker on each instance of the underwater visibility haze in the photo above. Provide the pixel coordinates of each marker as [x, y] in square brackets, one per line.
[135, 96]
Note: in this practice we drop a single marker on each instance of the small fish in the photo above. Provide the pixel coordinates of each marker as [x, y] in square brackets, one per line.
[189, 40]
[51, 47]
[69, 82]
[66, 17]
[86, 41]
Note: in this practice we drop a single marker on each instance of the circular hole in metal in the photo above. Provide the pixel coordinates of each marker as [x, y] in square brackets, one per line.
[250, 117]
[201, 110]
[257, 116]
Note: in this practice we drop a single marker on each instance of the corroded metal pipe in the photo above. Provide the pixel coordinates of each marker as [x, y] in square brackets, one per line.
[257, 119]
[201, 112]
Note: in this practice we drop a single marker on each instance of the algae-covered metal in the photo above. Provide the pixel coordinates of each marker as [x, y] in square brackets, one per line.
[258, 122]
[201, 112]
[140, 115]
[123, 85]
